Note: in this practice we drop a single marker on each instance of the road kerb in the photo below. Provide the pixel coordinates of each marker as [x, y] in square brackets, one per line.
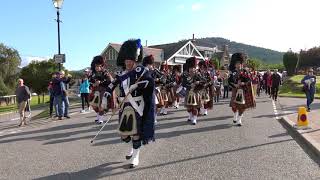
[308, 140]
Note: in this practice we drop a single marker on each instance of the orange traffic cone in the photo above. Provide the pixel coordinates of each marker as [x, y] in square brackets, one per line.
[302, 121]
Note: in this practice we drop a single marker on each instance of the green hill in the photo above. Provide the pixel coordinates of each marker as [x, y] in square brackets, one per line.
[266, 55]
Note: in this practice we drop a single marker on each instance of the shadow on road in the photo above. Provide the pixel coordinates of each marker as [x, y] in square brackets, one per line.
[105, 171]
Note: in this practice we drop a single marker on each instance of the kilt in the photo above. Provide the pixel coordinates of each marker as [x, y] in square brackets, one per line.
[250, 101]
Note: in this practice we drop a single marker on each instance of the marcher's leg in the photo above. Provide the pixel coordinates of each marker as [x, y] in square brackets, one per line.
[241, 111]
[194, 116]
[136, 144]
[127, 140]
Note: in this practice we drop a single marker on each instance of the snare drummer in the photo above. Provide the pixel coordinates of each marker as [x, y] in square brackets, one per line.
[242, 95]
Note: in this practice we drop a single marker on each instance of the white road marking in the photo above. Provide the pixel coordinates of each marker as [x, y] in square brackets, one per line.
[275, 109]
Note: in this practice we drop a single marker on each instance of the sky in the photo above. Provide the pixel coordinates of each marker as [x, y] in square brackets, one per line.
[89, 26]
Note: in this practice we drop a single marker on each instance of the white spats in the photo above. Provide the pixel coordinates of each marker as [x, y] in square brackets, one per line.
[194, 119]
[129, 155]
[235, 117]
[240, 120]
[163, 111]
[135, 158]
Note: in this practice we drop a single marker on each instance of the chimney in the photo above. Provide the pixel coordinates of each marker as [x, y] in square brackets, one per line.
[193, 38]
[146, 43]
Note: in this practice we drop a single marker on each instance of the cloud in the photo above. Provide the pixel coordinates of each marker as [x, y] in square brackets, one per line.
[27, 59]
[196, 6]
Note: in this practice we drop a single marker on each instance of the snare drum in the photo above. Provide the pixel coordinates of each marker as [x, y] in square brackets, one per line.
[181, 91]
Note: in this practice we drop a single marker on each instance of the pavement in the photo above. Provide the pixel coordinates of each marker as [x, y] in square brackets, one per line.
[311, 134]
[10, 121]
[213, 149]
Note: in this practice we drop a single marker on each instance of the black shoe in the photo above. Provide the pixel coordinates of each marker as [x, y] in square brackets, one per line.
[128, 157]
[68, 117]
[308, 110]
[189, 120]
[234, 121]
[132, 166]
[194, 123]
[239, 125]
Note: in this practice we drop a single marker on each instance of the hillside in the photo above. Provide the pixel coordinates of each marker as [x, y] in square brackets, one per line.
[266, 55]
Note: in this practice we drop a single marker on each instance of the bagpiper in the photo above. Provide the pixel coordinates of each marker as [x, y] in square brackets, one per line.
[99, 79]
[206, 93]
[191, 81]
[164, 89]
[136, 88]
[176, 79]
[242, 93]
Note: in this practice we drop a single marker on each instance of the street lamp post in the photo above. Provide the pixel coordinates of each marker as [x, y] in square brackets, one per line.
[58, 4]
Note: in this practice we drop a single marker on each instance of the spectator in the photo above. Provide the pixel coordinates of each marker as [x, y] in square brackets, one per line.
[84, 91]
[66, 80]
[50, 90]
[23, 95]
[64, 95]
[276, 82]
[309, 82]
[57, 93]
[226, 86]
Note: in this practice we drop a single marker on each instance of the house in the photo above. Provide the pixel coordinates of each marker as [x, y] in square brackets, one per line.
[172, 53]
[110, 53]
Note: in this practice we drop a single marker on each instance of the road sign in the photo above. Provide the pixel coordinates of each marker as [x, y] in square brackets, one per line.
[59, 58]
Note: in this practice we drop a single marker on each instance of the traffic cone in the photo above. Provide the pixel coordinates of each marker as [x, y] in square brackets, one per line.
[302, 121]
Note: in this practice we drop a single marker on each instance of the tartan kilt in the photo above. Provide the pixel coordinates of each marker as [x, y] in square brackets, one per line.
[250, 101]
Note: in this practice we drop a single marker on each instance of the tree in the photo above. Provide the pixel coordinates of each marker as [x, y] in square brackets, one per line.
[215, 62]
[254, 63]
[290, 60]
[9, 62]
[310, 58]
[37, 75]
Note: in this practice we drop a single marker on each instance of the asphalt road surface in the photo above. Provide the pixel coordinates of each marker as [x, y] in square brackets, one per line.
[213, 149]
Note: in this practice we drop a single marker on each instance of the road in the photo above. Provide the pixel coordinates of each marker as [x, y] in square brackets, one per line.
[213, 149]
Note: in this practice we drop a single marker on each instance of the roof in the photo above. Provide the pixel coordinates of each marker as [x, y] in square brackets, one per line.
[157, 53]
[171, 48]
